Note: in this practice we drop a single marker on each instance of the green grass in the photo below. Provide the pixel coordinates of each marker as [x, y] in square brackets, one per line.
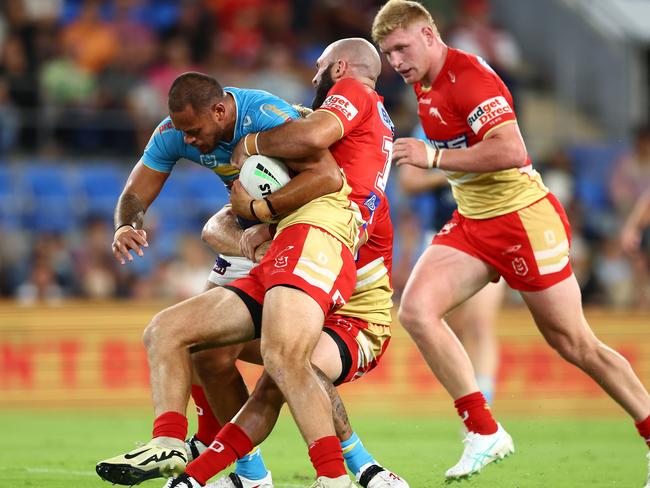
[59, 449]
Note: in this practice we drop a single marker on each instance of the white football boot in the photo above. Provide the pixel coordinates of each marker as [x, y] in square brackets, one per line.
[340, 482]
[233, 480]
[183, 481]
[162, 457]
[194, 448]
[481, 450]
[647, 485]
[376, 476]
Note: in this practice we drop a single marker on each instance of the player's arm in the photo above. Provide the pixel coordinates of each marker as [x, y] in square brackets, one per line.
[414, 180]
[317, 176]
[293, 140]
[222, 232]
[141, 189]
[225, 236]
[502, 148]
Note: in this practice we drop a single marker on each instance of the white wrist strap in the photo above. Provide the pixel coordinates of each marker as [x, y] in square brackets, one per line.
[433, 156]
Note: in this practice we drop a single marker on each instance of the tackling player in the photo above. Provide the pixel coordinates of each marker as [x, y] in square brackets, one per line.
[507, 224]
[168, 145]
[352, 121]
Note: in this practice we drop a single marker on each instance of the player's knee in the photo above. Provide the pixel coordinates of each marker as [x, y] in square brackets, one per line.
[157, 330]
[574, 349]
[410, 317]
[280, 361]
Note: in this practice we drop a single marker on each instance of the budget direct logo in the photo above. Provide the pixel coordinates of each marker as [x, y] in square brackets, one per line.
[342, 105]
[487, 112]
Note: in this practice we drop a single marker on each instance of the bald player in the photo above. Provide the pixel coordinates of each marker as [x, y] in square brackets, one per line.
[169, 333]
[351, 121]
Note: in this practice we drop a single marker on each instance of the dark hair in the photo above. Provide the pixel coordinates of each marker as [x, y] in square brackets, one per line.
[198, 90]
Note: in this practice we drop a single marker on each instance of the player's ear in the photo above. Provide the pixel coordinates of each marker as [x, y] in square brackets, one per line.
[340, 67]
[218, 110]
[427, 34]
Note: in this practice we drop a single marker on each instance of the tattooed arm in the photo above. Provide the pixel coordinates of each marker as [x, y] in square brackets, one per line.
[141, 189]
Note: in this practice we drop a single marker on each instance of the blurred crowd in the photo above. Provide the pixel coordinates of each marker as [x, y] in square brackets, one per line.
[85, 81]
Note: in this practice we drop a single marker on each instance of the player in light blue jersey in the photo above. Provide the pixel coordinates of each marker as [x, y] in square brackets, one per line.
[205, 137]
[241, 112]
[250, 111]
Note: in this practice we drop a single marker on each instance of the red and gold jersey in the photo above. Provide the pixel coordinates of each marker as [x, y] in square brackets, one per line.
[465, 102]
[371, 299]
[364, 152]
[334, 213]
[365, 147]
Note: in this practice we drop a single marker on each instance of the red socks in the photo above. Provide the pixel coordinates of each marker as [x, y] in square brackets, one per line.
[644, 429]
[209, 426]
[230, 444]
[327, 457]
[475, 412]
[170, 424]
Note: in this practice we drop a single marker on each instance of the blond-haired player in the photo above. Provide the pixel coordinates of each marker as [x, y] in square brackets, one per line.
[507, 224]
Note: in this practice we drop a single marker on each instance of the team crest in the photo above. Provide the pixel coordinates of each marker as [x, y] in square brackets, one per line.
[281, 260]
[433, 111]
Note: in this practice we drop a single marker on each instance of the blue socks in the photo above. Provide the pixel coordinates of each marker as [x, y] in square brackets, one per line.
[355, 454]
[252, 465]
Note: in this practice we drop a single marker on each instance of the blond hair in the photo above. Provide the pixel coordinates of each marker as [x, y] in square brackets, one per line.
[397, 14]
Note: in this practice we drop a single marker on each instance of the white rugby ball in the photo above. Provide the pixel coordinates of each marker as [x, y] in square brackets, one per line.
[260, 175]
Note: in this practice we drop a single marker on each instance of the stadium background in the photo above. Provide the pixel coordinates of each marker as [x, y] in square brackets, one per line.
[82, 85]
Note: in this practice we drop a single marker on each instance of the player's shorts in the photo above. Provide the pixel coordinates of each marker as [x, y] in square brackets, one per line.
[303, 257]
[361, 344]
[229, 268]
[529, 247]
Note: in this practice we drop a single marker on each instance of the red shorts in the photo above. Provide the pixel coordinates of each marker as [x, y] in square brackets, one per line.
[303, 257]
[529, 247]
[361, 344]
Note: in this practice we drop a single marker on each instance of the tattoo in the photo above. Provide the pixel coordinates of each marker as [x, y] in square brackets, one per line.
[129, 211]
[339, 414]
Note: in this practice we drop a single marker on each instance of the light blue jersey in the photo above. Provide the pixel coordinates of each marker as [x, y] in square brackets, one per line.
[256, 111]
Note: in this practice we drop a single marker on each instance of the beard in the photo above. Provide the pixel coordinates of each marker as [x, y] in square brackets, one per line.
[324, 85]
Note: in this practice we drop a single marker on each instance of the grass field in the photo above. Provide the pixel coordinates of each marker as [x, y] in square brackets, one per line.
[60, 448]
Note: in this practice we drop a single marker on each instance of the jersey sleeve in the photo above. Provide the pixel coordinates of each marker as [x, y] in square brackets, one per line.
[271, 113]
[163, 149]
[347, 101]
[483, 100]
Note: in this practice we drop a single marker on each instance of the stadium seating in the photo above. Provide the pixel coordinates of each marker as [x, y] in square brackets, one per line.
[10, 208]
[99, 186]
[49, 201]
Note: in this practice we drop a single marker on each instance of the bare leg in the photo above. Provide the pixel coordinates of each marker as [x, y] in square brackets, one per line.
[558, 314]
[215, 317]
[292, 325]
[442, 278]
[222, 382]
[473, 322]
[261, 411]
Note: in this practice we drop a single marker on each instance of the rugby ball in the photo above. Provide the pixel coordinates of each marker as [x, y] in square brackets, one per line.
[260, 175]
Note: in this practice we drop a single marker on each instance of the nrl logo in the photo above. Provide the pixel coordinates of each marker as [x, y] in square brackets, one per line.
[209, 160]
